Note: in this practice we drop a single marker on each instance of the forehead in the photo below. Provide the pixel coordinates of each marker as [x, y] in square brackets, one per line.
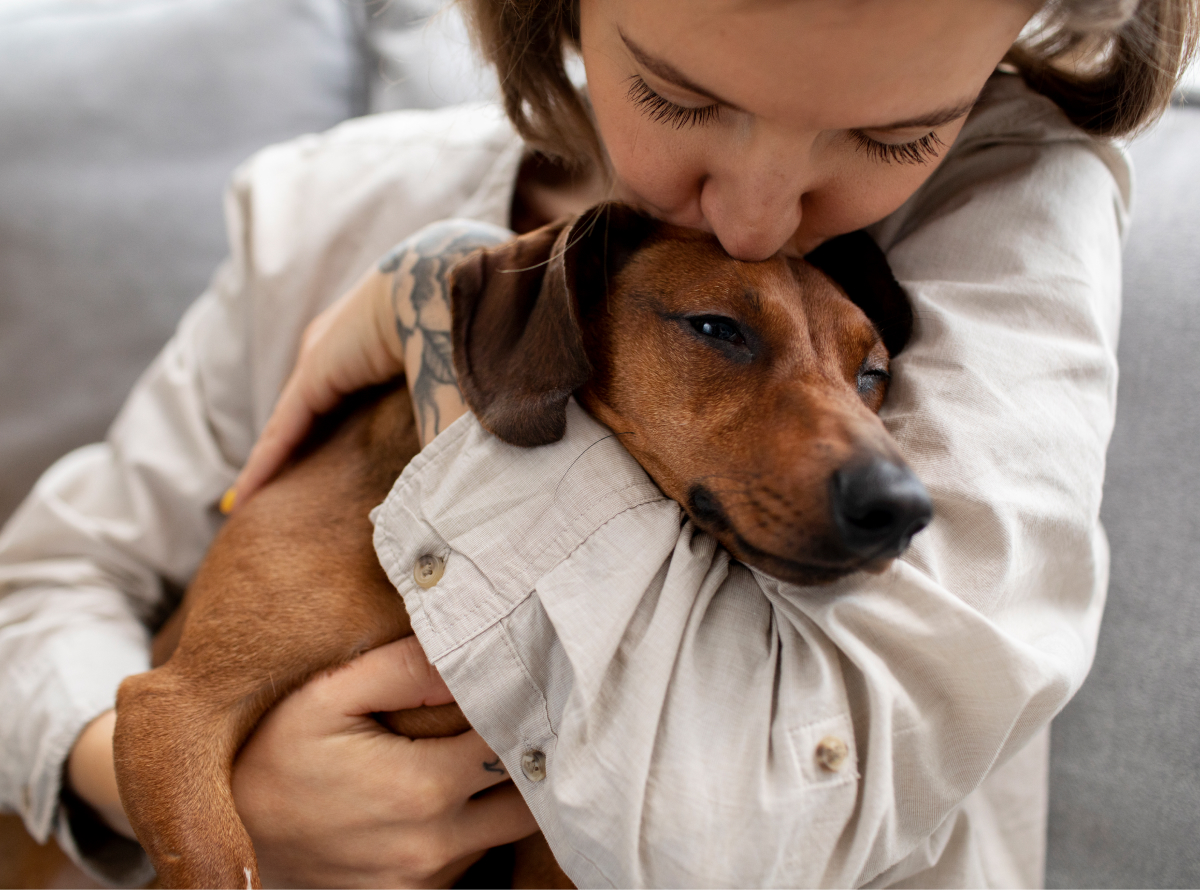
[687, 262]
[827, 64]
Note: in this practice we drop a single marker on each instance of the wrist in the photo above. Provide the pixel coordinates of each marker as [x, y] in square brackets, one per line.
[92, 776]
[383, 315]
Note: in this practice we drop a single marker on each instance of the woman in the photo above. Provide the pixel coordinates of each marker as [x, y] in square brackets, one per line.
[775, 126]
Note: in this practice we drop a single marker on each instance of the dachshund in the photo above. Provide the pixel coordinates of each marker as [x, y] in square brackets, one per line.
[748, 391]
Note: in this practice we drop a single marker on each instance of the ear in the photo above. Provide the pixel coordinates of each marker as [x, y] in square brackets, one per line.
[517, 312]
[860, 268]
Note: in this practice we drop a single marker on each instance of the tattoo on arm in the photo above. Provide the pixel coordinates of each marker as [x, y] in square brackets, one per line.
[495, 767]
[420, 271]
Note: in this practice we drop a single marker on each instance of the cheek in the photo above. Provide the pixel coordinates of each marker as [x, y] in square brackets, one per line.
[650, 163]
[654, 165]
[858, 199]
[860, 191]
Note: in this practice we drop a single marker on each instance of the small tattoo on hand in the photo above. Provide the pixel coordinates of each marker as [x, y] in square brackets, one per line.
[495, 767]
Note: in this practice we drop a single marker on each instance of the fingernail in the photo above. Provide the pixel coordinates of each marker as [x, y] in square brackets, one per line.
[228, 499]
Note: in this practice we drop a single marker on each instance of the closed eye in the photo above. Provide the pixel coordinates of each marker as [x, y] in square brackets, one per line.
[663, 111]
[719, 328]
[872, 382]
[920, 151]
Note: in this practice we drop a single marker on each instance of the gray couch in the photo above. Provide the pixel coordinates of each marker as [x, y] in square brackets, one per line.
[120, 121]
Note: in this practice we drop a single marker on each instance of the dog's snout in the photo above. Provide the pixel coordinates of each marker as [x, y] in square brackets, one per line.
[878, 506]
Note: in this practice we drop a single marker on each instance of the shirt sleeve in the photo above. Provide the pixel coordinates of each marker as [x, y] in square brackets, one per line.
[86, 559]
[677, 719]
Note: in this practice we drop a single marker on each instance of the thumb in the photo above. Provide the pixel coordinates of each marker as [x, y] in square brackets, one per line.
[288, 425]
[351, 344]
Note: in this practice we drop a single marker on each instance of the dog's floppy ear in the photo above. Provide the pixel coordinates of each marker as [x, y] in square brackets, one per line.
[516, 322]
[859, 267]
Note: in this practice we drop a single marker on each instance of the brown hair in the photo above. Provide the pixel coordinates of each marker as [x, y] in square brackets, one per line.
[1111, 65]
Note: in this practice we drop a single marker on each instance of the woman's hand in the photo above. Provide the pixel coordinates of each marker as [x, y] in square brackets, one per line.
[396, 319]
[351, 345]
[331, 798]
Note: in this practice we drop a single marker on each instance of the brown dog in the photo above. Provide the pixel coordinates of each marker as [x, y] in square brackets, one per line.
[748, 391]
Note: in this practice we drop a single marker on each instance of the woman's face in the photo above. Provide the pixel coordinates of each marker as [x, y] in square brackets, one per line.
[776, 124]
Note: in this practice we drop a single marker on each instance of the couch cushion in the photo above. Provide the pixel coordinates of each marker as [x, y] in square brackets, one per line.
[122, 120]
[1125, 763]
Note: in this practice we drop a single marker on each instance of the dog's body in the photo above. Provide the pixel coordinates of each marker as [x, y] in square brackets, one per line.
[748, 391]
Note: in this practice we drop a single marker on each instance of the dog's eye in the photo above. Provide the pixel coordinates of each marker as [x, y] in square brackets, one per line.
[719, 328]
[872, 381]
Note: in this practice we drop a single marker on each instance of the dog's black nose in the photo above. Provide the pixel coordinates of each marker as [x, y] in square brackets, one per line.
[878, 506]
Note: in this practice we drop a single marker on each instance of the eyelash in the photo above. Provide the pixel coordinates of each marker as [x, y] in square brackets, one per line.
[927, 148]
[664, 111]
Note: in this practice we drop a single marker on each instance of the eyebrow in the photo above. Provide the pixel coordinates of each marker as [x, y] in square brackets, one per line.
[668, 72]
[933, 119]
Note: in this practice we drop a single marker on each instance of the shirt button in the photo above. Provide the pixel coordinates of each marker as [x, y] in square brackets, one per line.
[428, 570]
[533, 765]
[832, 753]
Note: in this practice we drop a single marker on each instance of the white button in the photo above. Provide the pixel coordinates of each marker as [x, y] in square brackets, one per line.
[832, 753]
[533, 765]
[428, 570]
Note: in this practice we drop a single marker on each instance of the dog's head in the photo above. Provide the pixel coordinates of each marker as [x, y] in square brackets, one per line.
[748, 391]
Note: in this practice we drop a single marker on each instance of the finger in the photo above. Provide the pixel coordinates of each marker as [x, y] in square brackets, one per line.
[352, 344]
[452, 873]
[289, 423]
[477, 825]
[464, 763]
[391, 678]
[499, 817]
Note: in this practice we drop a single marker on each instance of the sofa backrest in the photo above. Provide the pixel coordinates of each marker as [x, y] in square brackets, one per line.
[120, 122]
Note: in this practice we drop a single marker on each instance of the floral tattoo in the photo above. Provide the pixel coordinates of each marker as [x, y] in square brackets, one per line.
[420, 271]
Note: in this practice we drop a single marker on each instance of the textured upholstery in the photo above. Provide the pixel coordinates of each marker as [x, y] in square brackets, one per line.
[1125, 763]
[120, 122]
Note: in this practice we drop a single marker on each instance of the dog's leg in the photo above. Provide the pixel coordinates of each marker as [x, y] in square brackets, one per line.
[180, 726]
[203, 843]
[290, 587]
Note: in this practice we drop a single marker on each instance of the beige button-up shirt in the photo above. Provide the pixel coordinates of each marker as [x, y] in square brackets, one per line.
[671, 716]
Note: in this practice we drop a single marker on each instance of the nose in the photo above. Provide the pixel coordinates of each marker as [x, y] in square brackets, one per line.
[878, 506]
[753, 204]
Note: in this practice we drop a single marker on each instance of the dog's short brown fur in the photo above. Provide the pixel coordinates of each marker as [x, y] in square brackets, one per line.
[744, 389]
